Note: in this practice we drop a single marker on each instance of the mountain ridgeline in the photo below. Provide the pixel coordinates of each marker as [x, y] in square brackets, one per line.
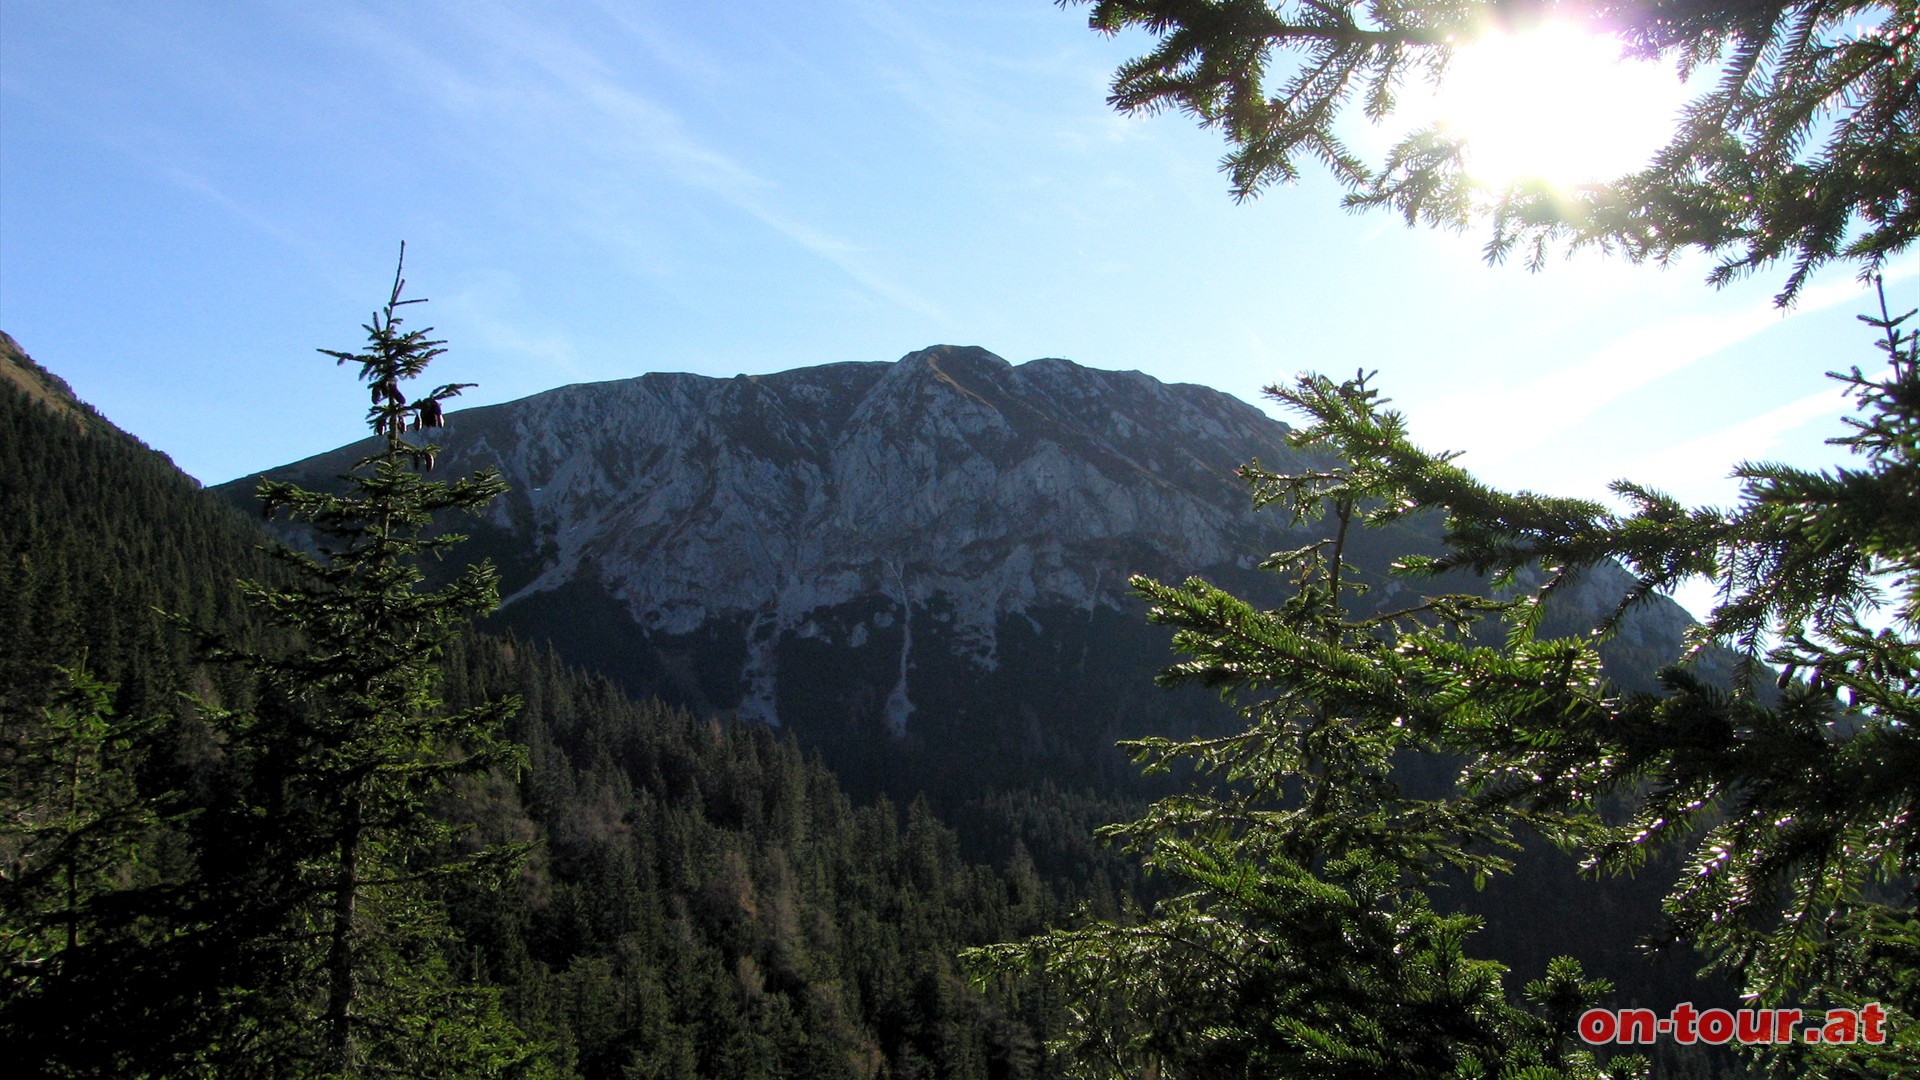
[701, 899]
[919, 567]
[886, 608]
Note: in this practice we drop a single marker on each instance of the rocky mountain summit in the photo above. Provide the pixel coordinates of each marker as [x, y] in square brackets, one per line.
[951, 481]
[935, 549]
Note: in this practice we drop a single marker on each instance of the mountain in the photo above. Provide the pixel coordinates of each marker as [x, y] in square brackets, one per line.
[36, 383]
[951, 528]
[98, 533]
[920, 567]
[699, 900]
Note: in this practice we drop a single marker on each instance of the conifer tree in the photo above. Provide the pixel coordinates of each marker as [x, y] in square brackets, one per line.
[345, 852]
[1299, 940]
[75, 837]
[1797, 812]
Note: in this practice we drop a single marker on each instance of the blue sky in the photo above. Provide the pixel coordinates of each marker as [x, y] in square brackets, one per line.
[195, 196]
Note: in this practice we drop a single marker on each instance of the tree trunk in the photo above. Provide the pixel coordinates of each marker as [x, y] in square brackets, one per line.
[340, 984]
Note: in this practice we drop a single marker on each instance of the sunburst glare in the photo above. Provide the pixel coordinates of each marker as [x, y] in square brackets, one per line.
[1554, 102]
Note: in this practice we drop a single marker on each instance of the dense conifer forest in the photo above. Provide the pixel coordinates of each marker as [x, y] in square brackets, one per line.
[488, 863]
[695, 899]
[679, 896]
[288, 805]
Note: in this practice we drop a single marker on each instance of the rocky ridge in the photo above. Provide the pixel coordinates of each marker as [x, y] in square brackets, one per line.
[866, 545]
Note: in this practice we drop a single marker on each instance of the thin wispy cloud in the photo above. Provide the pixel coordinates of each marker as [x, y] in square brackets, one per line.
[686, 57]
[480, 309]
[1534, 411]
[939, 81]
[549, 89]
[638, 128]
[1696, 469]
[845, 257]
[259, 221]
[1754, 439]
[161, 154]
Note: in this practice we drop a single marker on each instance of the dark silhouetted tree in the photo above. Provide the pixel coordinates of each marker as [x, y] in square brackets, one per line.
[349, 752]
[1299, 940]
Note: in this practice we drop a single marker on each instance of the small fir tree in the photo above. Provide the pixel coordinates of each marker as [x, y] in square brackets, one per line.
[1299, 941]
[345, 854]
[1797, 810]
[76, 836]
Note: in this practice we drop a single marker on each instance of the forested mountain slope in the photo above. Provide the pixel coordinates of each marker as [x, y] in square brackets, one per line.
[700, 899]
[99, 532]
[919, 567]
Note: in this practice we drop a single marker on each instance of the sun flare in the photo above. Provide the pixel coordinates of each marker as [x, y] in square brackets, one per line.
[1555, 102]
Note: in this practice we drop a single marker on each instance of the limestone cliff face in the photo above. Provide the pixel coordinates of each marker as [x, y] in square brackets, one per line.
[951, 471]
[949, 479]
[936, 546]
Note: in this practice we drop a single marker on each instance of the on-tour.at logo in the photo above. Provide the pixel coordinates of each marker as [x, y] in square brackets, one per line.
[1686, 1025]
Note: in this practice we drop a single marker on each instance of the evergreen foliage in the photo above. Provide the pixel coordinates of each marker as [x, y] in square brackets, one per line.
[1796, 810]
[706, 902]
[1300, 941]
[1804, 864]
[343, 761]
[84, 574]
[98, 534]
[691, 899]
[77, 835]
[1806, 148]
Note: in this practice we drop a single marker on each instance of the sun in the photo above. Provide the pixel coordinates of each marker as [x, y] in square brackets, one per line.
[1555, 102]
